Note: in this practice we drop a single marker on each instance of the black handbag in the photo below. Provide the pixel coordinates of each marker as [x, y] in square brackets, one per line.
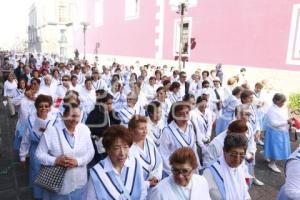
[51, 177]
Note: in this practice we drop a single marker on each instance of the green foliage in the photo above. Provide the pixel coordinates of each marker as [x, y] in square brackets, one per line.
[294, 101]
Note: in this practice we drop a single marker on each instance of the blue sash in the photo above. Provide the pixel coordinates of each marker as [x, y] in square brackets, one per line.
[108, 187]
[215, 170]
[33, 135]
[126, 113]
[151, 161]
[179, 138]
[156, 132]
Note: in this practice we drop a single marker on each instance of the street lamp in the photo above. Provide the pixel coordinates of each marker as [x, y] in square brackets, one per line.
[182, 5]
[84, 24]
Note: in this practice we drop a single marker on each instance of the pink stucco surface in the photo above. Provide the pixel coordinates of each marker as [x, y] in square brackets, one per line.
[118, 36]
[250, 33]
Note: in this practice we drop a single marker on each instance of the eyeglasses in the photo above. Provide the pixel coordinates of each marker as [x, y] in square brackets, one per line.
[184, 172]
[131, 99]
[236, 155]
[44, 106]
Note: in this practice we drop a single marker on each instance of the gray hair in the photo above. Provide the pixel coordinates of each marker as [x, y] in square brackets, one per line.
[279, 97]
[235, 141]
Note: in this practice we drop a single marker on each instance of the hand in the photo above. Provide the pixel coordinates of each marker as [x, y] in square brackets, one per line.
[23, 165]
[61, 160]
[71, 162]
[250, 160]
[257, 135]
[153, 181]
[42, 130]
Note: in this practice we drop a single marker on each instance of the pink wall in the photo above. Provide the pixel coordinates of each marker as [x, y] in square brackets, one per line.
[250, 33]
[241, 32]
[118, 36]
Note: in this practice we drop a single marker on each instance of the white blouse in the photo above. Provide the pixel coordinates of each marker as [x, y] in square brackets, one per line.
[83, 151]
[168, 189]
[10, 88]
[277, 118]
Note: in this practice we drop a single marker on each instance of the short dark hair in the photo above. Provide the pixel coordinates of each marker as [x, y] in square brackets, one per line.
[174, 85]
[235, 141]
[135, 120]
[159, 89]
[278, 97]
[200, 99]
[152, 106]
[68, 108]
[205, 72]
[243, 69]
[245, 94]
[113, 133]
[187, 97]
[74, 77]
[205, 82]
[237, 90]
[35, 79]
[184, 155]
[42, 98]
[166, 82]
[104, 96]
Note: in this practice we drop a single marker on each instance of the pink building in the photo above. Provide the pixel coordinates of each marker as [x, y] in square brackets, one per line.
[259, 33]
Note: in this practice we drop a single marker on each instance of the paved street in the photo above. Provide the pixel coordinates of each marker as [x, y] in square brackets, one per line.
[14, 180]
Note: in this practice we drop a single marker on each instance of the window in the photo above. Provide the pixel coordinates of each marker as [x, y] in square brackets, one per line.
[186, 37]
[98, 15]
[293, 51]
[131, 9]
[62, 14]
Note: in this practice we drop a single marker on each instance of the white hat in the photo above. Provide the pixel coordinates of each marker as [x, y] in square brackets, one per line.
[217, 79]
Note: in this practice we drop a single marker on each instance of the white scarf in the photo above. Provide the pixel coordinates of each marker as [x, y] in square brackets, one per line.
[234, 182]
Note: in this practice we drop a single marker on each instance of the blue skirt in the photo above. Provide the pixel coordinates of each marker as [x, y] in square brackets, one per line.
[78, 194]
[20, 129]
[223, 122]
[34, 169]
[277, 144]
[281, 195]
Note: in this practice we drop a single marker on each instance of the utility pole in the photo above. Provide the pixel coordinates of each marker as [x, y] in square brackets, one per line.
[84, 24]
[182, 8]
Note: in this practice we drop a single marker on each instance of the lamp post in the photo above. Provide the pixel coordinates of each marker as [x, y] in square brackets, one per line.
[181, 5]
[84, 24]
[182, 9]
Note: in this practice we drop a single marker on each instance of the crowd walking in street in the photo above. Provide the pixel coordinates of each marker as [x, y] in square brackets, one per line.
[101, 132]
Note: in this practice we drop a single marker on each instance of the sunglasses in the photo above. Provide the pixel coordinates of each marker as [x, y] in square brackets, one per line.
[184, 172]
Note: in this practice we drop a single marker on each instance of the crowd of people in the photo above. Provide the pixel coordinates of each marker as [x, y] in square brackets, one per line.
[144, 132]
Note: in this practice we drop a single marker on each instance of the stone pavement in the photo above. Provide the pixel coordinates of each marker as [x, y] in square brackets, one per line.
[14, 180]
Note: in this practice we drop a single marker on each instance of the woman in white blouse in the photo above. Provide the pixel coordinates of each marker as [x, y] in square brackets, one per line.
[155, 123]
[202, 118]
[277, 140]
[145, 151]
[226, 176]
[87, 96]
[36, 124]
[119, 175]
[77, 152]
[183, 184]
[178, 133]
[10, 86]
